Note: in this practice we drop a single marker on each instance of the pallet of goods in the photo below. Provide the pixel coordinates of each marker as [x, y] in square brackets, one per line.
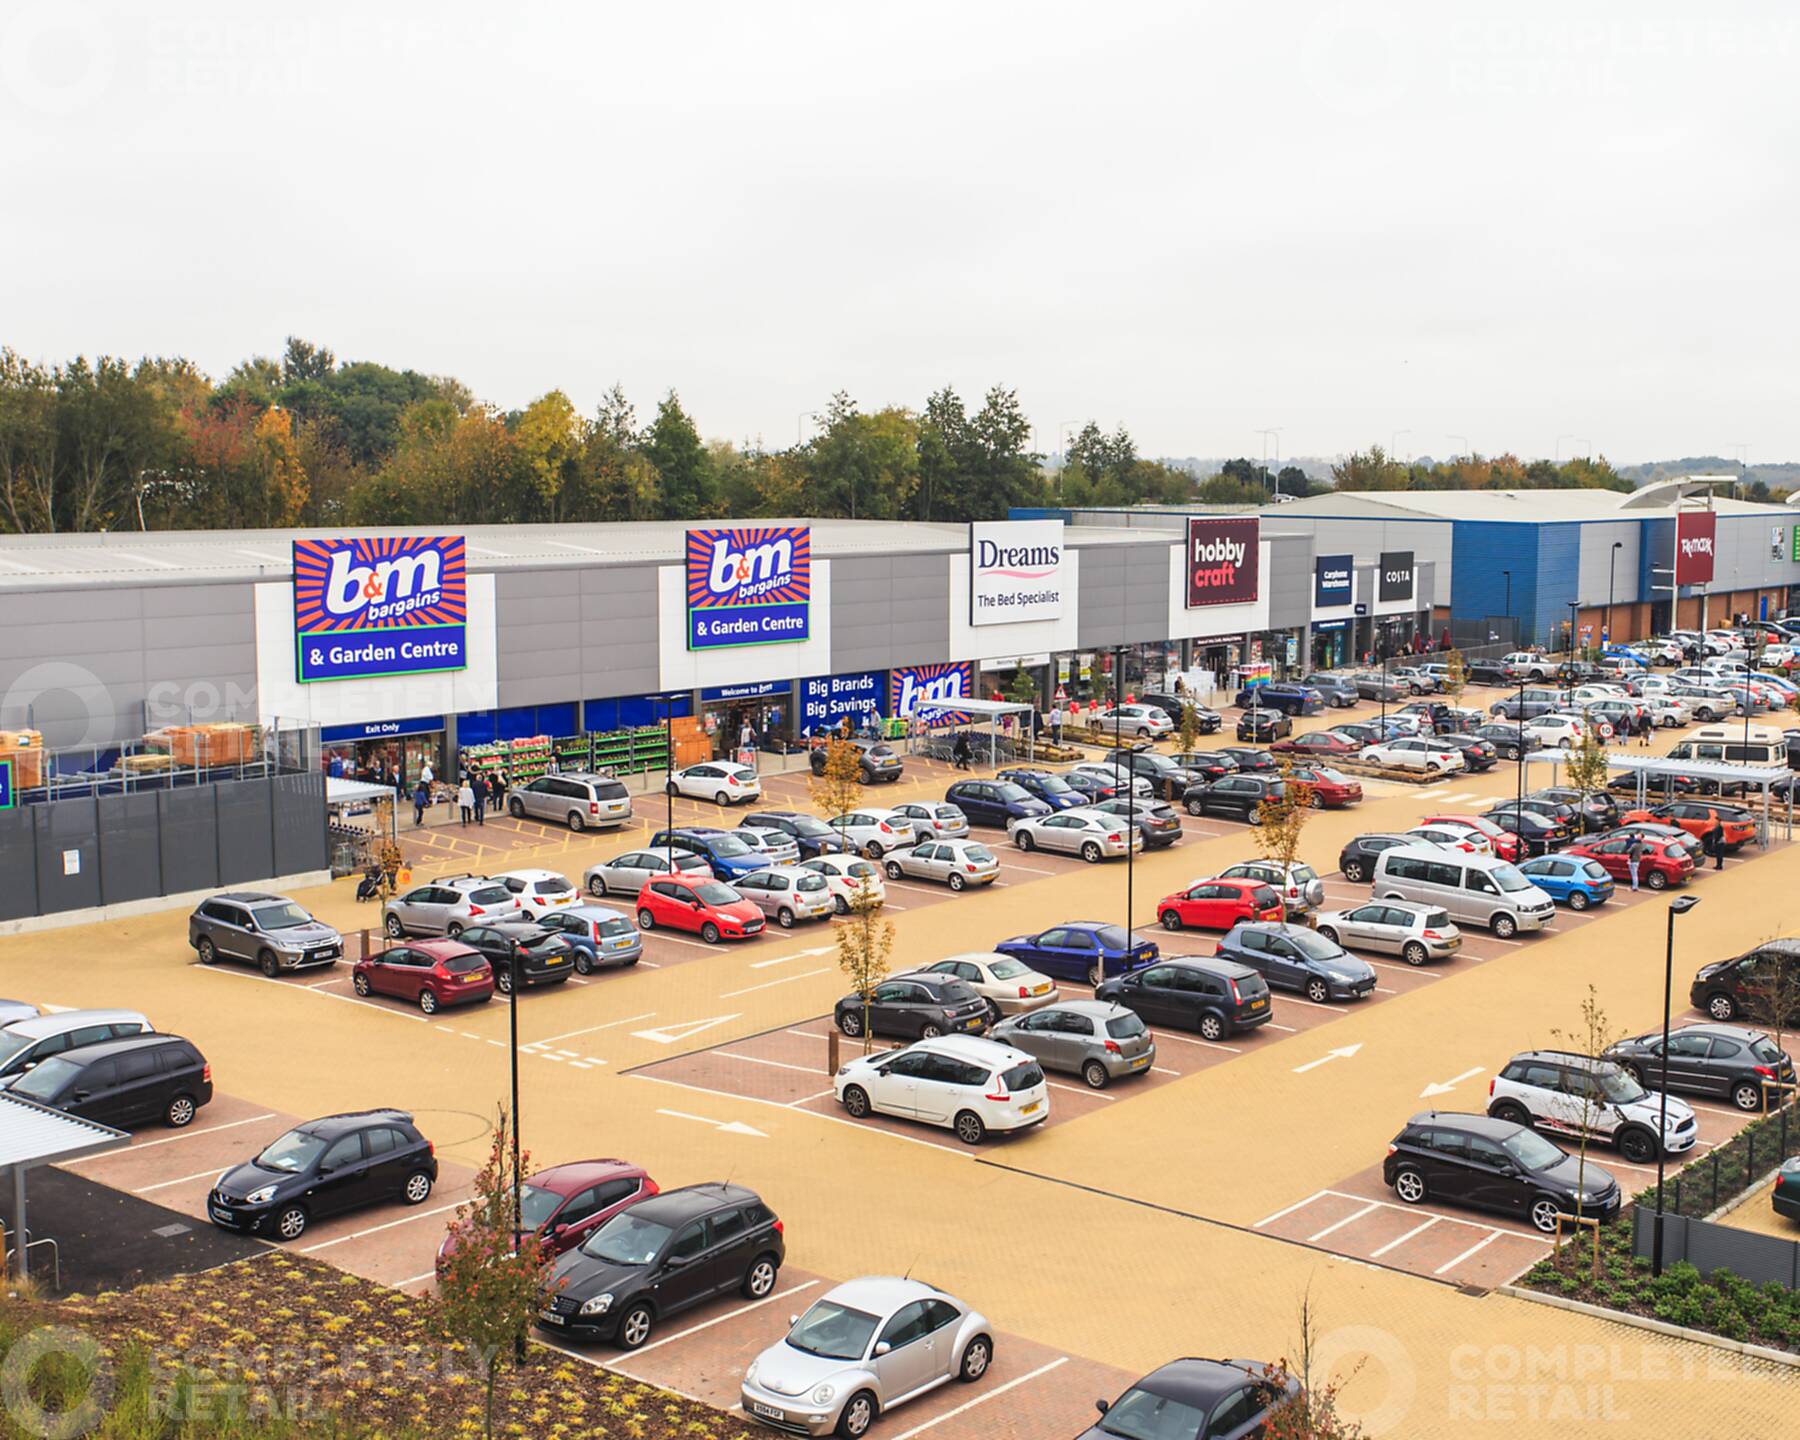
[25, 749]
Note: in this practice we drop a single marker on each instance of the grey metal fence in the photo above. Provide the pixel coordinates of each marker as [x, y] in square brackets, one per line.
[1709, 1247]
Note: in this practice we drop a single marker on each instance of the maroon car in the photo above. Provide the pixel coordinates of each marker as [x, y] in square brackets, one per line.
[1331, 789]
[428, 973]
[1317, 744]
[567, 1203]
[1661, 863]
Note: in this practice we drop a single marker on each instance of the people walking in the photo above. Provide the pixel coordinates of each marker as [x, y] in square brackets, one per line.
[465, 802]
[496, 784]
[479, 787]
[961, 751]
[1713, 843]
[1644, 726]
[1633, 851]
[421, 798]
[1056, 721]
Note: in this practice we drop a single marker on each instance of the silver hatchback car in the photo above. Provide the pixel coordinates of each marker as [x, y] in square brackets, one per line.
[863, 1348]
[1416, 933]
[1095, 1039]
[625, 875]
[956, 863]
[1088, 833]
[444, 907]
[935, 818]
[780, 847]
[787, 894]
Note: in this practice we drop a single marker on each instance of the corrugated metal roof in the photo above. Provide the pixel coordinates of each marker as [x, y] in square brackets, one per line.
[1540, 507]
[33, 1134]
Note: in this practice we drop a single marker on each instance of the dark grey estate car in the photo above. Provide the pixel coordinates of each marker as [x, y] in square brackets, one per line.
[269, 931]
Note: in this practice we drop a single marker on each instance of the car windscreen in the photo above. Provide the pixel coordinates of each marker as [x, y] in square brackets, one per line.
[728, 845]
[957, 993]
[552, 885]
[810, 883]
[810, 826]
[465, 964]
[980, 854]
[13, 1046]
[1437, 920]
[1111, 937]
[1008, 969]
[1054, 785]
[1140, 1415]
[833, 1332]
[1766, 1051]
[293, 1152]
[1009, 791]
[1125, 1027]
[280, 917]
[618, 925]
[1618, 1087]
[1314, 946]
[1508, 878]
[1593, 870]
[626, 1239]
[1531, 1150]
[490, 895]
[47, 1079]
[1265, 897]
[862, 870]
[610, 790]
[713, 893]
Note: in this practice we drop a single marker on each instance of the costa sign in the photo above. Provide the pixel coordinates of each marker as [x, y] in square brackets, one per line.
[748, 587]
[1222, 560]
[1396, 576]
[1015, 571]
[1695, 531]
[385, 605]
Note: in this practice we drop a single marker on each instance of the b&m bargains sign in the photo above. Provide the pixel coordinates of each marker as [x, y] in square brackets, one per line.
[931, 693]
[1222, 560]
[1015, 571]
[749, 586]
[391, 605]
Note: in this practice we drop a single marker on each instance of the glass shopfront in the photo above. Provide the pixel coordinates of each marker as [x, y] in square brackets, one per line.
[385, 752]
[766, 707]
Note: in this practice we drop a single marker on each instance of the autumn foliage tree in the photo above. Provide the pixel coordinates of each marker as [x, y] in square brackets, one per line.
[1281, 818]
[836, 788]
[865, 942]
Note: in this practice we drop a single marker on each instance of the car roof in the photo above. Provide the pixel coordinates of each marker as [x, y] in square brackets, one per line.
[1197, 1382]
[83, 1054]
[972, 1047]
[588, 910]
[1214, 964]
[576, 1175]
[443, 949]
[248, 897]
[790, 872]
[1475, 1124]
[881, 1294]
[40, 1027]
[772, 815]
[327, 1126]
[692, 1200]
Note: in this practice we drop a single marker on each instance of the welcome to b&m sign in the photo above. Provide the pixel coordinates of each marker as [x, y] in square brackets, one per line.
[750, 586]
[388, 605]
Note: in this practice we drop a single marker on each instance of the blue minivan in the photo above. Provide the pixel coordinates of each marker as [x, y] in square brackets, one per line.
[1289, 699]
[1569, 880]
[994, 802]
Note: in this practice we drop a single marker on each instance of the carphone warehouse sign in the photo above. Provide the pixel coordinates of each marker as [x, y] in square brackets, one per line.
[383, 605]
[1015, 571]
[748, 586]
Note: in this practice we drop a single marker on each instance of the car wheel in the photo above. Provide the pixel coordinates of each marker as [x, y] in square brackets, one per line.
[1317, 991]
[1578, 900]
[874, 850]
[1746, 1096]
[841, 906]
[1414, 953]
[635, 1327]
[1409, 1185]
[1211, 1027]
[785, 918]
[671, 788]
[417, 1189]
[709, 932]
[850, 1022]
[1093, 975]
[361, 985]
[1637, 1146]
[428, 1002]
[1512, 1112]
[1544, 1213]
[1504, 926]
[1355, 872]
[1171, 919]
[976, 1359]
[1095, 1074]
[1656, 880]
[1092, 853]
[584, 963]
[503, 979]
[1022, 839]
[759, 1279]
[956, 881]
[1194, 807]
[858, 1416]
[597, 887]
[181, 1111]
[454, 930]
[646, 921]
[893, 873]
[395, 930]
[516, 808]
[208, 954]
[969, 1128]
[268, 964]
[1565, 743]
[1329, 933]
[290, 1224]
[929, 1031]
[576, 823]
[1721, 1007]
[722, 798]
[856, 1102]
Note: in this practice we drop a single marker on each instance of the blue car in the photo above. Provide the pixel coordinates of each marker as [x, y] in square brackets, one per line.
[1569, 880]
[599, 935]
[1289, 699]
[1087, 950]
[1054, 790]
[729, 857]
[994, 802]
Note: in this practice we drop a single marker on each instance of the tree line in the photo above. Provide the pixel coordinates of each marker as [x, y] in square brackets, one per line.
[308, 440]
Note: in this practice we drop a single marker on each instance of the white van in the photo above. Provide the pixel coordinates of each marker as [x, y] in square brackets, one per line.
[1734, 745]
[1480, 889]
[25, 1042]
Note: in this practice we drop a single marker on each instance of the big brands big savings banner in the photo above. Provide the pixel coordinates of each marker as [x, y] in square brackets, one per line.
[1223, 560]
[387, 605]
[749, 586]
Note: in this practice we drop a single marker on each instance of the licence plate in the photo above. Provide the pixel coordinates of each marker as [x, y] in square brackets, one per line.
[1041, 990]
[768, 1412]
[972, 1023]
[1140, 1062]
[221, 1214]
[1258, 1004]
[1032, 1108]
[1453, 944]
[471, 979]
[552, 1317]
[553, 959]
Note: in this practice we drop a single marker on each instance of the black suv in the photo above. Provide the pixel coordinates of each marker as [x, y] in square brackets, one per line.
[1722, 1060]
[1601, 809]
[659, 1257]
[809, 832]
[1264, 725]
[1495, 1165]
[1208, 719]
[1250, 759]
[1512, 741]
[1206, 765]
[1170, 778]
[1237, 796]
[1488, 672]
[544, 953]
[1749, 984]
[1357, 859]
[1215, 997]
[1478, 754]
[916, 1007]
[877, 761]
[325, 1167]
[123, 1083]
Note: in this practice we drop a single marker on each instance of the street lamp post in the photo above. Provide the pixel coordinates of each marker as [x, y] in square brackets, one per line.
[1611, 561]
[1130, 788]
[512, 1021]
[1676, 907]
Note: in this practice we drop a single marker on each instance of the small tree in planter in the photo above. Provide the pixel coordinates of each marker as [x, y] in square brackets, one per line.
[1189, 720]
[1590, 1039]
[1022, 689]
[837, 787]
[1311, 1412]
[1773, 988]
[1588, 766]
[490, 1287]
[1279, 822]
[1456, 676]
[864, 942]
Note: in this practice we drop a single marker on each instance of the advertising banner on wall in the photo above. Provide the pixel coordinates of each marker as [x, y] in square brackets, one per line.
[1695, 531]
[1332, 580]
[388, 605]
[1222, 560]
[827, 699]
[1015, 571]
[748, 587]
[930, 692]
[1396, 575]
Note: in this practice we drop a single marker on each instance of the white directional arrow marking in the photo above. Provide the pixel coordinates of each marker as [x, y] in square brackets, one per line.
[1444, 1089]
[1343, 1052]
[724, 1127]
[669, 1034]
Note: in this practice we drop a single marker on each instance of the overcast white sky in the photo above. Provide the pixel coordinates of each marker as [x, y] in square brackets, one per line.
[1352, 221]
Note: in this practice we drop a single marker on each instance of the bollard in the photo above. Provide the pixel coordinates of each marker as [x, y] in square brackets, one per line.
[831, 1052]
[1784, 1144]
[1715, 1181]
[1677, 1194]
[363, 936]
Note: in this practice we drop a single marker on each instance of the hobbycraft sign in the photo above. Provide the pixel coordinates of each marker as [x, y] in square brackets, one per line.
[1015, 571]
[387, 605]
[1222, 560]
[750, 586]
[1695, 531]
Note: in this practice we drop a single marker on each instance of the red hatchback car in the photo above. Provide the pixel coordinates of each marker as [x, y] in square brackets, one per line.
[1331, 789]
[1319, 744]
[1219, 904]
[428, 973]
[1661, 863]
[567, 1203]
[709, 907]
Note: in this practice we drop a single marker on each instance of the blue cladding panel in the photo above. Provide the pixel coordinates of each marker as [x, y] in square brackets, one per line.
[1481, 550]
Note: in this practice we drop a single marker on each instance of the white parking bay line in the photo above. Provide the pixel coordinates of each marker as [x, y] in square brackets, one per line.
[773, 1064]
[1028, 869]
[165, 1184]
[571, 1034]
[815, 1114]
[1416, 1230]
[1162, 1035]
[1297, 1205]
[1318, 1235]
[982, 1398]
[376, 1229]
[168, 1139]
[785, 980]
[676, 939]
[731, 1314]
[1080, 1090]
[1470, 1253]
